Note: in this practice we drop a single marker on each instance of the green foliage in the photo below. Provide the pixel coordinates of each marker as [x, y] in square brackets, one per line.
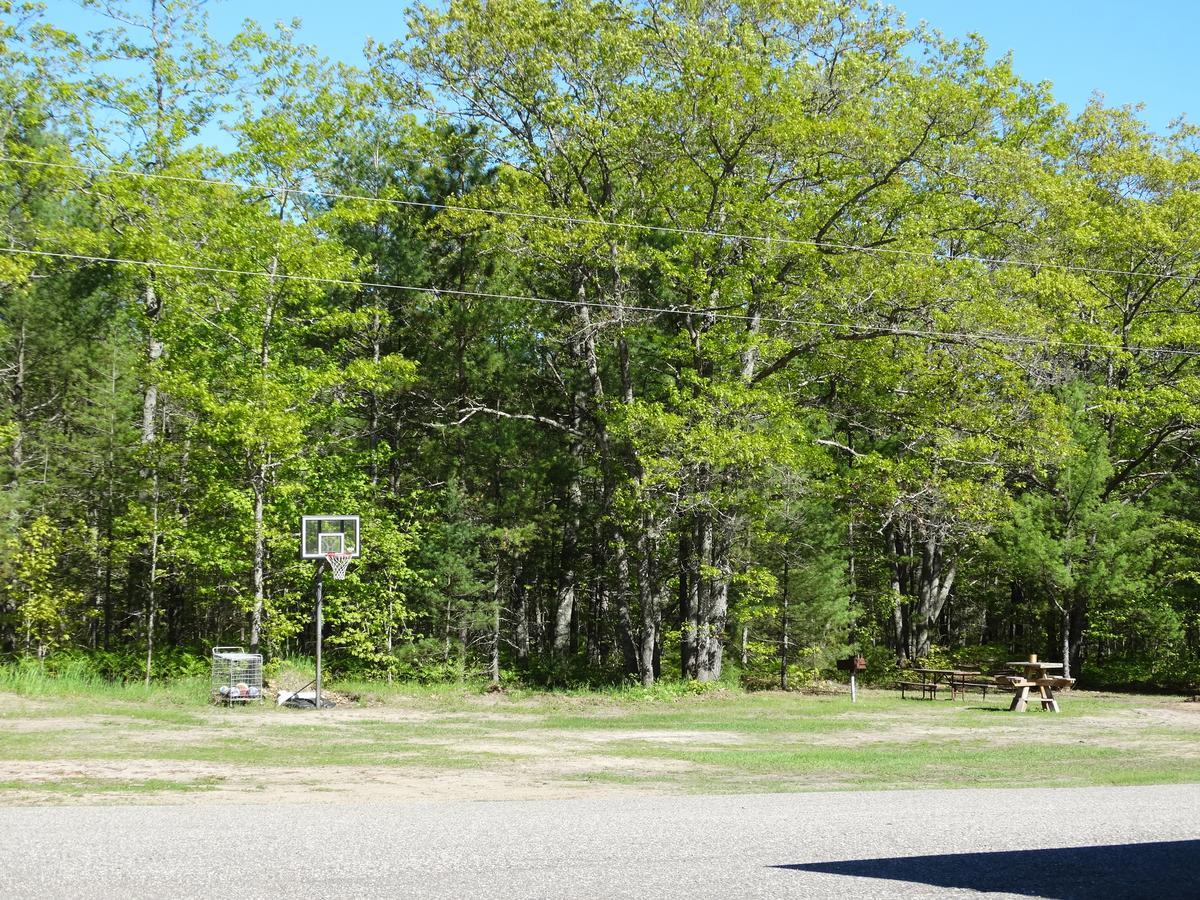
[31, 586]
[882, 667]
[177, 673]
[580, 309]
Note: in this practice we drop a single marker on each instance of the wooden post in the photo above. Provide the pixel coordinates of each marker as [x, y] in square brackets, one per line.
[853, 689]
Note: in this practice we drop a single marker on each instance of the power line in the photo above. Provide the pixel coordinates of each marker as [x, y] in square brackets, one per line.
[632, 226]
[882, 331]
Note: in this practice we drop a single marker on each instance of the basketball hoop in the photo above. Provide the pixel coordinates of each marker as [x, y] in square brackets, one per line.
[338, 563]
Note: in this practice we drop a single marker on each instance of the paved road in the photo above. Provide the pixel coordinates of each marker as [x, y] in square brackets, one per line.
[1066, 843]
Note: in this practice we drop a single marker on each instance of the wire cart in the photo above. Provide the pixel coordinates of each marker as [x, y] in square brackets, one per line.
[236, 676]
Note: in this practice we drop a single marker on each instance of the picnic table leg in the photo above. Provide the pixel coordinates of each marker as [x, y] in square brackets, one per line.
[1048, 701]
[1020, 699]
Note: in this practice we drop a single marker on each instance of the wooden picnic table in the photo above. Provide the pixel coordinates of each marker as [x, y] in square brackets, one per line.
[1034, 674]
[930, 681]
[963, 680]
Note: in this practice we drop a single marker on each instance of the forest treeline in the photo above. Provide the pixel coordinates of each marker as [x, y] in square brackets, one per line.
[648, 339]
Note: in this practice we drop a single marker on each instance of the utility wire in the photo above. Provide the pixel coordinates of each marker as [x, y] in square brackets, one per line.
[881, 330]
[632, 226]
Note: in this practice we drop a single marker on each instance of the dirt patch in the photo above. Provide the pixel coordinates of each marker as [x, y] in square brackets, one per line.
[13, 705]
[45, 723]
[331, 784]
[117, 770]
[681, 738]
[633, 768]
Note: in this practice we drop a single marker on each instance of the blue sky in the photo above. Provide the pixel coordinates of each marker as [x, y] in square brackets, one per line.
[1131, 52]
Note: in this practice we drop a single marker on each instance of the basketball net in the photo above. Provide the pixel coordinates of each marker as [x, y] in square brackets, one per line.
[338, 563]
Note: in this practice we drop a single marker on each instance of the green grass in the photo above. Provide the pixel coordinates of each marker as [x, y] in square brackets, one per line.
[923, 764]
[718, 741]
[77, 681]
[82, 787]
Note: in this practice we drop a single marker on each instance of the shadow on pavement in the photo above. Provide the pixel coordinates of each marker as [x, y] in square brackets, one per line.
[1164, 869]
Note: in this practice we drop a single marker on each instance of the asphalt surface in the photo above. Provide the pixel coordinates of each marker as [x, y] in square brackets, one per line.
[1063, 843]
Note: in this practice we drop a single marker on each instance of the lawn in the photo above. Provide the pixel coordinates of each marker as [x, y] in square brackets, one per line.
[111, 744]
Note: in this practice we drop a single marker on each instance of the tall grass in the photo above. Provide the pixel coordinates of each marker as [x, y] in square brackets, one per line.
[27, 677]
[294, 672]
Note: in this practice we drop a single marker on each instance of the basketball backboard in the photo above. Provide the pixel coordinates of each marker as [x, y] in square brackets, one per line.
[322, 535]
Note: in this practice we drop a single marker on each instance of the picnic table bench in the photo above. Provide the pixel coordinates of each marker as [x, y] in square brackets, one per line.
[961, 682]
[931, 680]
[925, 687]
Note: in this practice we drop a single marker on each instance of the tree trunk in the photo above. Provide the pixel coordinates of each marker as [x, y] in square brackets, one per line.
[714, 600]
[597, 631]
[258, 481]
[98, 581]
[373, 405]
[750, 354]
[464, 640]
[522, 612]
[565, 601]
[1065, 620]
[713, 633]
[646, 647]
[494, 656]
[388, 644]
[648, 591]
[687, 588]
[851, 572]
[598, 617]
[110, 499]
[261, 471]
[701, 607]
[17, 401]
[538, 638]
[149, 471]
[154, 350]
[783, 631]
[899, 635]
[934, 584]
[1078, 621]
[624, 615]
[1078, 611]
[446, 632]
[152, 583]
[586, 349]
[658, 643]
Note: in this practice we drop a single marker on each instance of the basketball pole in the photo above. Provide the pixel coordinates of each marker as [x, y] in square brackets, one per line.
[320, 623]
